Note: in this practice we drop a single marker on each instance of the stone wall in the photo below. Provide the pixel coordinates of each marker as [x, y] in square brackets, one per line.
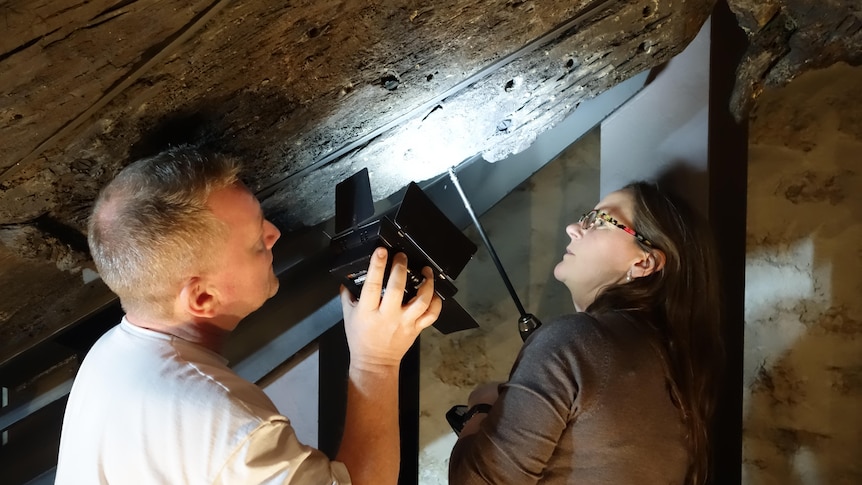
[803, 313]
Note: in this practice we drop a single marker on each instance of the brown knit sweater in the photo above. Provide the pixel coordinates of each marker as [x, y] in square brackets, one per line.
[587, 403]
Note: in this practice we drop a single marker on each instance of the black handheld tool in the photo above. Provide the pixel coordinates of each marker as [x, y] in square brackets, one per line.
[415, 227]
[527, 322]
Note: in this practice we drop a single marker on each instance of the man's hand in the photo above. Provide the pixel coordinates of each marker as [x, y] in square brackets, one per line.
[379, 333]
[381, 330]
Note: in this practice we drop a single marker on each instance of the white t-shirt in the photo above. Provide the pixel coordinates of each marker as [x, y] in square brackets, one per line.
[147, 408]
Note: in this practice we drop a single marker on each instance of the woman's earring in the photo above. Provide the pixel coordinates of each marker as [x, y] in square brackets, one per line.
[629, 276]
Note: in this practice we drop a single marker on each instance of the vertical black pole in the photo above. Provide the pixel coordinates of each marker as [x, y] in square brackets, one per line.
[332, 396]
[332, 404]
[409, 416]
[728, 186]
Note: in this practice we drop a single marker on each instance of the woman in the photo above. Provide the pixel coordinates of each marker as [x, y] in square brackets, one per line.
[622, 391]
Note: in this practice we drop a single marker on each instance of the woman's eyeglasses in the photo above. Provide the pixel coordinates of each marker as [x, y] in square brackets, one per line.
[588, 220]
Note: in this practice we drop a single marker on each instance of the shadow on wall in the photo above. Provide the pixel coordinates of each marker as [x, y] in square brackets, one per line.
[803, 355]
[688, 182]
[527, 230]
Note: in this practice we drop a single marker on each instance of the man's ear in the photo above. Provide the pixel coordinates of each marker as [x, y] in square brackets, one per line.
[198, 298]
[652, 262]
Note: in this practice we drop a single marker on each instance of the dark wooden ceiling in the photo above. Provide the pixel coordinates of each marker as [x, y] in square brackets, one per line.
[308, 92]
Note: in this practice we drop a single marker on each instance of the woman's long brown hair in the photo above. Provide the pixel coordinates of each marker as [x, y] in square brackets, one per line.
[682, 302]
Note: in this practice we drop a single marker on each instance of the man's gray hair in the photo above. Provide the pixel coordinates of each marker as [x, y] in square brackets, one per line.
[151, 226]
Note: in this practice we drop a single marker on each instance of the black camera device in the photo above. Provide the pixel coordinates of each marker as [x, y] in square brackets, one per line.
[417, 228]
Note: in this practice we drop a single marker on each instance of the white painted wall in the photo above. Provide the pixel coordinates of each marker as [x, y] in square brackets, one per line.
[294, 389]
[664, 127]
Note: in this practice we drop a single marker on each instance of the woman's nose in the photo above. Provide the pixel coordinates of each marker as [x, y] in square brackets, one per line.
[574, 231]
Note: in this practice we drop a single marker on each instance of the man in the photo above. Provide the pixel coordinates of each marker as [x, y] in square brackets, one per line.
[186, 248]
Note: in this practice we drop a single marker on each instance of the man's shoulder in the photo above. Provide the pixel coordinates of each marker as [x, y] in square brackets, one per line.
[205, 375]
[164, 368]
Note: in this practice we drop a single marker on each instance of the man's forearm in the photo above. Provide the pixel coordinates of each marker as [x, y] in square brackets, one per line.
[370, 447]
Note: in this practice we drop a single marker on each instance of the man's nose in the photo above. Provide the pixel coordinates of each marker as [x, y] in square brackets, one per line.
[273, 234]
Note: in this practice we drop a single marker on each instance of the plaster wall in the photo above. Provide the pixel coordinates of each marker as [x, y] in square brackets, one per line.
[803, 311]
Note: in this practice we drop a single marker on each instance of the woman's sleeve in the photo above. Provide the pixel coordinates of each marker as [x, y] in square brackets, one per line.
[519, 435]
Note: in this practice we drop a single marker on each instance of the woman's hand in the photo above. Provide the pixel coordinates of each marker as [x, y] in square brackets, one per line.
[484, 393]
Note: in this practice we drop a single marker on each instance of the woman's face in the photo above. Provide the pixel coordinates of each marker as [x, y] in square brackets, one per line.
[602, 255]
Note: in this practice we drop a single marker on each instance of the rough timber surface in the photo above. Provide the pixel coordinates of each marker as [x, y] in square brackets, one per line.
[283, 85]
[790, 37]
[85, 87]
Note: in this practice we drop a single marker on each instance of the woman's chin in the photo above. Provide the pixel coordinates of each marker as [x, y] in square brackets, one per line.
[558, 272]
